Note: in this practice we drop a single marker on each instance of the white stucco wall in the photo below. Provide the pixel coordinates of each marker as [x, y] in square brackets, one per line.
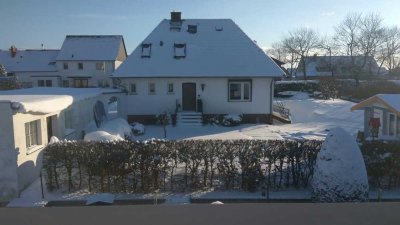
[89, 70]
[8, 155]
[214, 96]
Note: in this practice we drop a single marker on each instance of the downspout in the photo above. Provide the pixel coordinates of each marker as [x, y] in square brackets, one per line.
[271, 100]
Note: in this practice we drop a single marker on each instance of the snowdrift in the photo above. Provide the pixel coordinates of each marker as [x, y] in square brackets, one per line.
[112, 130]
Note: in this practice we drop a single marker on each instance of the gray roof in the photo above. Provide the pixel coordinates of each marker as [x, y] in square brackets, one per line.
[29, 60]
[219, 48]
[91, 47]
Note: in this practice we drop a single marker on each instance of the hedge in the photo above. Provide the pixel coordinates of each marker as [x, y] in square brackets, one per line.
[129, 166]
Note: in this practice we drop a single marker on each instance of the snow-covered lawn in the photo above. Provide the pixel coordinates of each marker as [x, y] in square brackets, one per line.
[311, 120]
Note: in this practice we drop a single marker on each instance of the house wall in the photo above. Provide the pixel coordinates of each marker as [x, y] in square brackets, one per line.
[214, 97]
[8, 155]
[95, 77]
[29, 79]
[384, 129]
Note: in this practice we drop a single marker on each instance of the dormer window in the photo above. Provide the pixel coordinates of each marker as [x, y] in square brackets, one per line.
[146, 50]
[179, 51]
[219, 28]
[192, 29]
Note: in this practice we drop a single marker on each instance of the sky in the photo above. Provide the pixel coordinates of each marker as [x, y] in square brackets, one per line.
[29, 23]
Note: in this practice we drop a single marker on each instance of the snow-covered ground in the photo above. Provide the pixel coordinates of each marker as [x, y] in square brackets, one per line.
[311, 120]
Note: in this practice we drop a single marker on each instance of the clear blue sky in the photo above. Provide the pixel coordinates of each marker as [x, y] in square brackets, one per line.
[29, 23]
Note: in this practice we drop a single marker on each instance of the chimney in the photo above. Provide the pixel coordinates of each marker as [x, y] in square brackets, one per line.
[176, 17]
[13, 51]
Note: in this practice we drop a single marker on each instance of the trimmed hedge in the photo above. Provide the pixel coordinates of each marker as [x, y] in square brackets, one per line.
[382, 160]
[128, 166]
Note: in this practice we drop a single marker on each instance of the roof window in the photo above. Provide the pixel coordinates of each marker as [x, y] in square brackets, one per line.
[146, 50]
[192, 29]
[219, 28]
[179, 51]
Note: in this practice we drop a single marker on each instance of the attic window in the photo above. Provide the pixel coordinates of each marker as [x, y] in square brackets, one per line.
[192, 29]
[179, 51]
[146, 50]
[219, 28]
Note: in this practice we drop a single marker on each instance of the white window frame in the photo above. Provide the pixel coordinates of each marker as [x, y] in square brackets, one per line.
[242, 84]
[100, 66]
[150, 88]
[134, 92]
[32, 135]
[394, 125]
[170, 91]
[65, 66]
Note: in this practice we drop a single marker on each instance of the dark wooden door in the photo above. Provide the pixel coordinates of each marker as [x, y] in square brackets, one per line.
[189, 96]
[49, 128]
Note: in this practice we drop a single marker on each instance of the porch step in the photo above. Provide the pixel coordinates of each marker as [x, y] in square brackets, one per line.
[189, 119]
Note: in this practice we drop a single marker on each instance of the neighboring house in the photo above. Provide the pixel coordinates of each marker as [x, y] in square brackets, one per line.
[29, 118]
[207, 66]
[280, 64]
[381, 111]
[32, 68]
[89, 60]
[327, 66]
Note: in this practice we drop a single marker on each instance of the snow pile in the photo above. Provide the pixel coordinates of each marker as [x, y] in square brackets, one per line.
[217, 203]
[137, 128]
[112, 130]
[54, 140]
[340, 174]
[46, 99]
[231, 120]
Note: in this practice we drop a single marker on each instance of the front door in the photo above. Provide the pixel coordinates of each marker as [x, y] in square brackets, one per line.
[49, 128]
[189, 96]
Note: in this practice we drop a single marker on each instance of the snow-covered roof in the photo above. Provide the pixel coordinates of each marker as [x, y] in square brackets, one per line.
[320, 65]
[92, 47]
[392, 101]
[29, 60]
[219, 48]
[46, 99]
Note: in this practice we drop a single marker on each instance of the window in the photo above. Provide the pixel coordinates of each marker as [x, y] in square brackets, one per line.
[100, 66]
[80, 83]
[40, 83]
[133, 88]
[32, 133]
[179, 51]
[392, 124]
[49, 83]
[65, 66]
[68, 119]
[80, 66]
[240, 91]
[192, 29]
[45, 83]
[170, 88]
[152, 88]
[65, 83]
[146, 50]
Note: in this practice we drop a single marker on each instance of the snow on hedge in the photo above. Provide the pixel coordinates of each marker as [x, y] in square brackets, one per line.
[112, 130]
[340, 174]
[137, 128]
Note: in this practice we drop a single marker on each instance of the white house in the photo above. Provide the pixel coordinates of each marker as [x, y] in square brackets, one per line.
[89, 60]
[32, 67]
[383, 112]
[185, 62]
[29, 118]
[327, 66]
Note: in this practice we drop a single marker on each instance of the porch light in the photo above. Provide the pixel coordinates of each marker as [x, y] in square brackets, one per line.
[203, 86]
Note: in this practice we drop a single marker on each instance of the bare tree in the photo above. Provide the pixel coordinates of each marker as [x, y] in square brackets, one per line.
[371, 38]
[302, 42]
[283, 54]
[347, 34]
[389, 54]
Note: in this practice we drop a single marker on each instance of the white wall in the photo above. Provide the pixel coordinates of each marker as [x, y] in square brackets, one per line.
[89, 70]
[8, 155]
[30, 78]
[214, 96]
